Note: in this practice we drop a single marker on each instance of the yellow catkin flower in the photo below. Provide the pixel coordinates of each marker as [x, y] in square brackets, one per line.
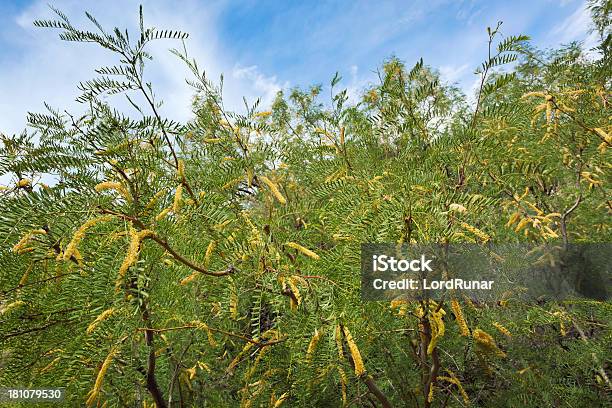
[178, 196]
[273, 189]
[480, 234]
[303, 250]
[263, 114]
[237, 359]
[112, 185]
[50, 365]
[131, 256]
[457, 208]
[463, 327]
[454, 380]
[502, 329]
[295, 290]
[209, 251]
[180, 170]
[513, 219]
[338, 338]
[538, 94]
[21, 246]
[189, 278]
[80, 234]
[163, 214]
[132, 252]
[437, 328]
[209, 333]
[24, 277]
[233, 303]
[95, 392]
[11, 306]
[24, 183]
[355, 354]
[154, 200]
[313, 344]
[103, 316]
[230, 184]
[486, 342]
[281, 399]
[430, 395]
[343, 382]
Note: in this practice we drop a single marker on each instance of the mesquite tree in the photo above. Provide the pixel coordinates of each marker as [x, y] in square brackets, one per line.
[216, 262]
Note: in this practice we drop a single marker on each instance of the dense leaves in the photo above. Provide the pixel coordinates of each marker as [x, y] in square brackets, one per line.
[216, 262]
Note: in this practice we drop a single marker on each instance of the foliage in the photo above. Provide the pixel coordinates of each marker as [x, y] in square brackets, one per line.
[216, 263]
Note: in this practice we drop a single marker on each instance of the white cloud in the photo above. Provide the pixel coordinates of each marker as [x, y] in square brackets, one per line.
[452, 73]
[266, 87]
[44, 68]
[575, 27]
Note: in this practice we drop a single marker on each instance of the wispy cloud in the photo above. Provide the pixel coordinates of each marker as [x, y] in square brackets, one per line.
[262, 47]
[576, 27]
[46, 69]
[266, 86]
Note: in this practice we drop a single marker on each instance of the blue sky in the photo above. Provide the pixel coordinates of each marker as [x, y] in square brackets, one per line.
[264, 46]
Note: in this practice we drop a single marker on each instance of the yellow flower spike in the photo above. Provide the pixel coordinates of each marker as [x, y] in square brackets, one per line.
[294, 290]
[463, 327]
[437, 327]
[478, 233]
[154, 200]
[189, 279]
[20, 247]
[163, 214]
[95, 392]
[273, 189]
[80, 234]
[523, 223]
[133, 251]
[103, 316]
[24, 183]
[263, 114]
[454, 380]
[281, 399]
[513, 219]
[502, 329]
[313, 344]
[338, 338]
[430, 395]
[178, 196]
[303, 250]
[486, 342]
[209, 250]
[343, 382]
[355, 354]
[180, 171]
[538, 94]
[118, 187]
